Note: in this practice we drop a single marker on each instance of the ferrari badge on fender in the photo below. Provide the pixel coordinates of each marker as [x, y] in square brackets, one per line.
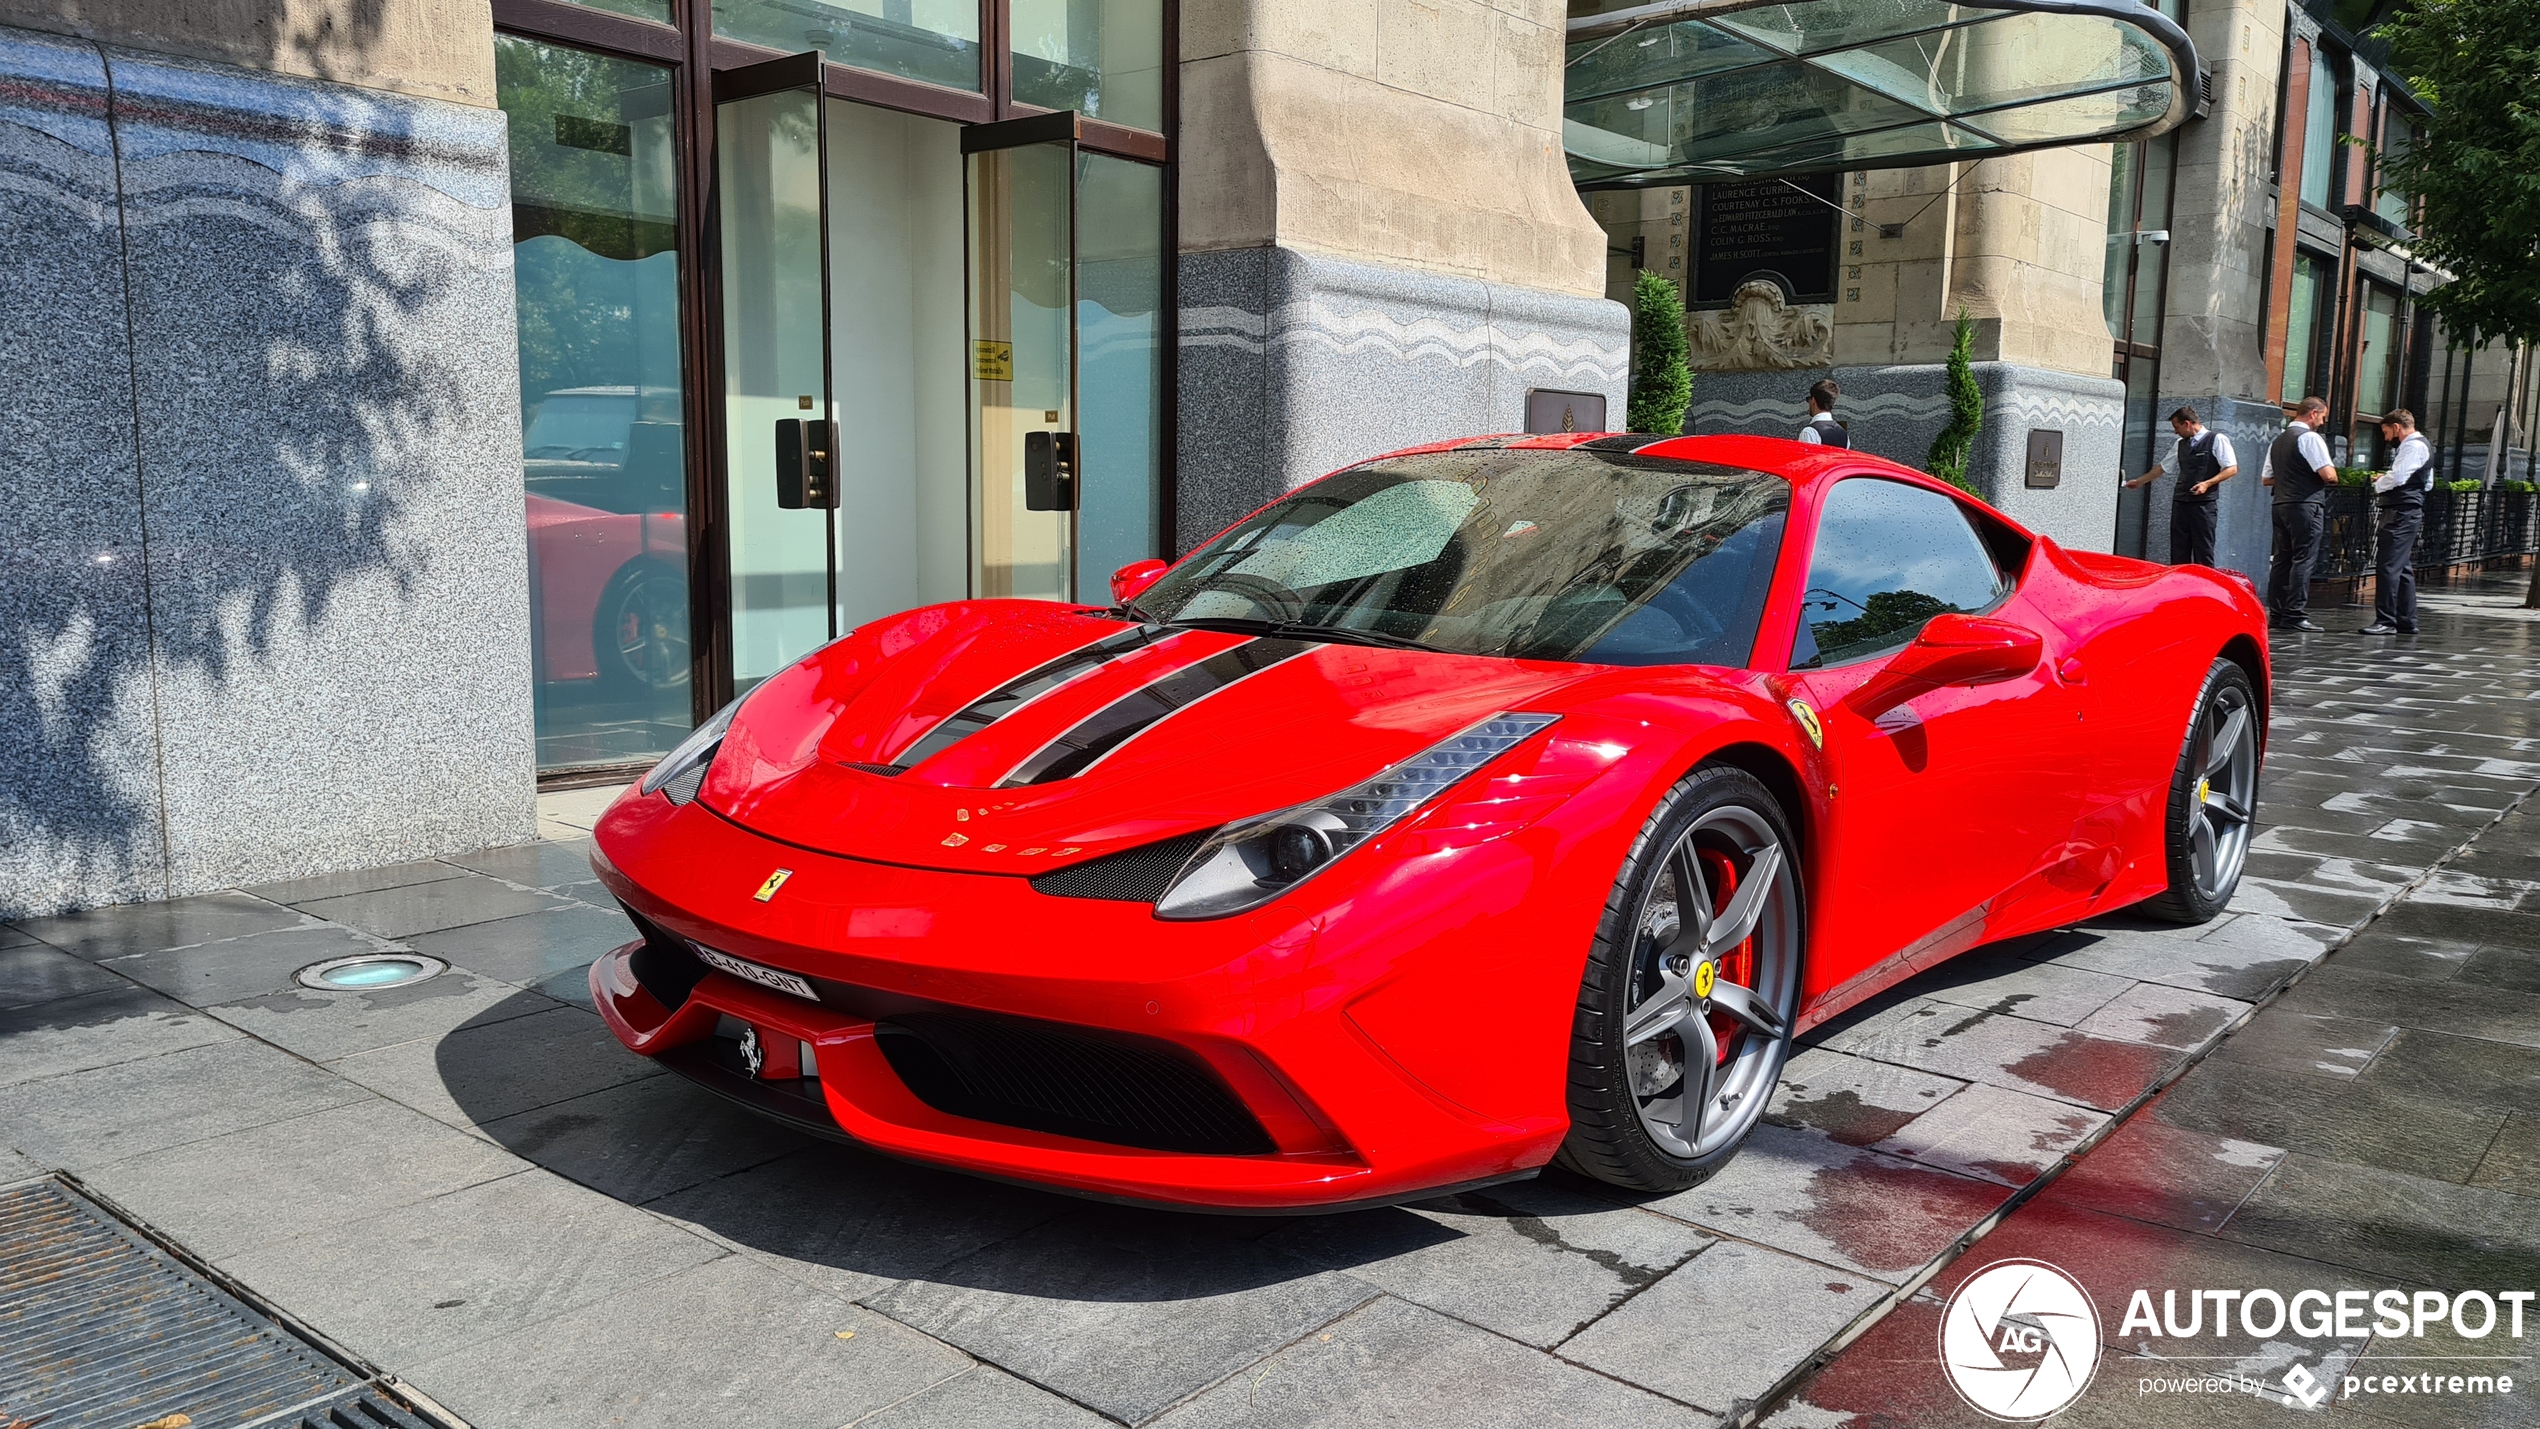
[774, 881]
[1807, 718]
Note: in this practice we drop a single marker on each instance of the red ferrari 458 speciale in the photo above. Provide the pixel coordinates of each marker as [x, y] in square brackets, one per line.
[1481, 805]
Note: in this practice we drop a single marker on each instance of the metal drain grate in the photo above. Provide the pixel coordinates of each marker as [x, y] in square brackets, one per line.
[101, 1328]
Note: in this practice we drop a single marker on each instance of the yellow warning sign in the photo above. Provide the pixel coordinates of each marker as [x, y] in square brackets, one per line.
[992, 361]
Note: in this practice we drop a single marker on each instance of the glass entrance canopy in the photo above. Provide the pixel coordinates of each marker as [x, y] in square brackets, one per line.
[1687, 90]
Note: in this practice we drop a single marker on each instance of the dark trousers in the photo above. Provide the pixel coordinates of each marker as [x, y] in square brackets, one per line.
[2298, 528]
[2394, 599]
[2192, 527]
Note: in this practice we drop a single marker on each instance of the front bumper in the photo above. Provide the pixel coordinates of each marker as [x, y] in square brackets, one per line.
[1262, 1006]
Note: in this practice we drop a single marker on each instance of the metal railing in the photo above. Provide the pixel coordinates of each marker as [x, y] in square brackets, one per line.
[2462, 528]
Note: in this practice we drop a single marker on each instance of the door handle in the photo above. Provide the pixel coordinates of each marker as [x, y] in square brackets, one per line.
[806, 464]
[1049, 471]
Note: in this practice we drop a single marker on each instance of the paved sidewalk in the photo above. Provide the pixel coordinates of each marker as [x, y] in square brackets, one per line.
[469, 1182]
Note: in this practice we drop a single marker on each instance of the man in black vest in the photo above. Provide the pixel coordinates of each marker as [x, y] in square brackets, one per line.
[2204, 461]
[2299, 469]
[1822, 429]
[2403, 488]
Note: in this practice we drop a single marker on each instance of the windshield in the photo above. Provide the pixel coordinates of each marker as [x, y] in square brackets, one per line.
[589, 426]
[1591, 556]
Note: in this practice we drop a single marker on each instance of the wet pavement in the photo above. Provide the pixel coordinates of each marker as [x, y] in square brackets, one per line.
[470, 1183]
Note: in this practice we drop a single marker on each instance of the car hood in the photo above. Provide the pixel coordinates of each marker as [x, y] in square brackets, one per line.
[1014, 736]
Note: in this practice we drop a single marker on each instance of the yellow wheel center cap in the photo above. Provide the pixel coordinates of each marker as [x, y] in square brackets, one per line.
[2204, 790]
[1705, 976]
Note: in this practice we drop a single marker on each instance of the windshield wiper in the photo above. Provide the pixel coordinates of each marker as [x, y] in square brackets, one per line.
[1291, 629]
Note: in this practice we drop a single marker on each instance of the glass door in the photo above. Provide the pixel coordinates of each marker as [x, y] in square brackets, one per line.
[1022, 238]
[771, 177]
[1066, 360]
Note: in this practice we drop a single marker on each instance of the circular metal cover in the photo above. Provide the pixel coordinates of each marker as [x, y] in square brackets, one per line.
[369, 972]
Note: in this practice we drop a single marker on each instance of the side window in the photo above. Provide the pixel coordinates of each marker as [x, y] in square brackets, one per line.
[1889, 557]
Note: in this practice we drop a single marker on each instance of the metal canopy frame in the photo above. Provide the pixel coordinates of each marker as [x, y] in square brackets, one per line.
[1691, 91]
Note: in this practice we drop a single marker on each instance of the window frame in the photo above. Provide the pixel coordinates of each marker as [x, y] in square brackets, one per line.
[1988, 543]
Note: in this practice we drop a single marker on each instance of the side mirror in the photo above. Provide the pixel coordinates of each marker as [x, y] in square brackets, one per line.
[1049, 471]
[1131, 581]
[1952, 649]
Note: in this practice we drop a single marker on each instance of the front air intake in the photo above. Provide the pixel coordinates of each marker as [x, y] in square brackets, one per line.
[1069, 1081]
[1137, 875]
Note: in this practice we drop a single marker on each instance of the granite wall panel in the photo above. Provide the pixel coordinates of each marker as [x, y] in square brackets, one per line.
[1294, 364]
[311, 455]
[79, 788]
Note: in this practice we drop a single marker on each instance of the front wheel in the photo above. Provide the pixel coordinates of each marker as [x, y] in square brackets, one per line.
[2213, 799]
[1686, 1006]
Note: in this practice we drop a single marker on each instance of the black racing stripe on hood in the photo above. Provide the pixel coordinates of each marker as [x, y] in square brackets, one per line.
[1115, 724]
[1003, 700]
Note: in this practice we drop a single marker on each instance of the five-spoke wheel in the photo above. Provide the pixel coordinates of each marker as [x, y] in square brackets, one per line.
[1685, 1013]
[2213, 798]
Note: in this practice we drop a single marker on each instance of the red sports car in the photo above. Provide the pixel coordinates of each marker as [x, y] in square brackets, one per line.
[1480, 805]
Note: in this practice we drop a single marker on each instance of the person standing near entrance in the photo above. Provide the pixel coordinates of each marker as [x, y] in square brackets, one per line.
[1822, 429]
[2299, 469]
[2402, 488]
[2204, 461]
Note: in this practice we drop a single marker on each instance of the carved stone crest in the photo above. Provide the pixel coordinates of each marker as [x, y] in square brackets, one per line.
[1759, 330]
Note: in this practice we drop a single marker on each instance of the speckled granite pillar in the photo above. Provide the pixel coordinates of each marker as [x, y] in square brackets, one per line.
[1293, 364]
[270, 379]
[79, 785]
[1895, 412]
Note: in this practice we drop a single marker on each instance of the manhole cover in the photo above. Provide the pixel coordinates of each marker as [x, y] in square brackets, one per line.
[101, 1328]
[369, 972]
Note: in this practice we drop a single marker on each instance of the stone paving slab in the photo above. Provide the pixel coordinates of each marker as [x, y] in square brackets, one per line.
[150, 1103]
[1714, 1333]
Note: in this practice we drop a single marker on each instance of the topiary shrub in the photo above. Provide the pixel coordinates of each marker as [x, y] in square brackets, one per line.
[1662, 385]
[1949, 450]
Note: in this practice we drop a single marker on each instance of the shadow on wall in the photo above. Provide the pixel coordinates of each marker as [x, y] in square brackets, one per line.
[239, 432]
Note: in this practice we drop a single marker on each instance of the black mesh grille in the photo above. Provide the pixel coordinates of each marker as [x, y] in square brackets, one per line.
[887, 771]
[1137, 875]
[1043, 1076]
[664, 965]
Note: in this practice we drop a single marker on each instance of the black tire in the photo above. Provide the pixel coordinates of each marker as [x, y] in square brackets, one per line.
[1611, 1137]
[639, 635]
[2201, 796]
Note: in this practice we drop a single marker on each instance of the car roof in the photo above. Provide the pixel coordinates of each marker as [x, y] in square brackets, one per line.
[1802, 464]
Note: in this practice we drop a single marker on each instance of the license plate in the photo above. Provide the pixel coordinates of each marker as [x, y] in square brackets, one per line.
[765, 977]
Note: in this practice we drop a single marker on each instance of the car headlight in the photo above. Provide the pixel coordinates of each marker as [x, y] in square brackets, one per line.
[683, 770]
[1248, 863]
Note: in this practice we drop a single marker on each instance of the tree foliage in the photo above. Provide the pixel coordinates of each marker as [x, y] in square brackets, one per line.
[1662, 385]
[1949, 450]
[2474, 166]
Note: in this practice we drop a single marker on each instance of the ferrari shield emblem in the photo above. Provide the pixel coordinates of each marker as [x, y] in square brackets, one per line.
[1706, 976]
[774, 881]
[1807, 717]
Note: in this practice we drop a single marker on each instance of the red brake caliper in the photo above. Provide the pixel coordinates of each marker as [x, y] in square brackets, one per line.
[1737, 965]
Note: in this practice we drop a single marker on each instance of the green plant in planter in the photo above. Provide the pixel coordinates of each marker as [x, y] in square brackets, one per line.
[1662, 385]
[2467, 483]
[1949, 450]
[2519, 488]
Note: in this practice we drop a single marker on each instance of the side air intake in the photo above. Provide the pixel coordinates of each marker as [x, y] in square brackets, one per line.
[1137, 875]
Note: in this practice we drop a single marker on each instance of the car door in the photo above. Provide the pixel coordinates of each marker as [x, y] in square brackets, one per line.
[1948, 805]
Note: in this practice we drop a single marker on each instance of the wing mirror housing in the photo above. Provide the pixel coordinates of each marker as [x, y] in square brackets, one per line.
[1952, 649]
[1131, 581]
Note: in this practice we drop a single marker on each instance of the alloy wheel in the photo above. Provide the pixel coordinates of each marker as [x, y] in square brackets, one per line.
[1715, 965]
[2226, 791]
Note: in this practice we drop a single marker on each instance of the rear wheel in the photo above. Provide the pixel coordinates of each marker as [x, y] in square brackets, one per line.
[640, 636]
[2213, 802]
[1691, 986]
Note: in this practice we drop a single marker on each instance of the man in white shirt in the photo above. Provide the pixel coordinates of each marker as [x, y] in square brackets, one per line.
[2402, 490]
[2204, 461]
[2300, 471]
[1822, 429]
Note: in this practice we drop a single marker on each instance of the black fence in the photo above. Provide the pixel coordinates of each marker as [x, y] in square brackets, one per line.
[2462, 528]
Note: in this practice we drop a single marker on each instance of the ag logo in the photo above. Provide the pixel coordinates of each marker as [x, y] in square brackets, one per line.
[774, 881]
[1807, 717]
[2019, 1340]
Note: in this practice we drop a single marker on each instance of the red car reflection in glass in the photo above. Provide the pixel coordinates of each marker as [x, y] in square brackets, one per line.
[1478, 805]
[610, 593]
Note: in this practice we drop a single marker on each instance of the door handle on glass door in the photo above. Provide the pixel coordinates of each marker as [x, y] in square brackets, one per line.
[1049, 471]
[806, 473]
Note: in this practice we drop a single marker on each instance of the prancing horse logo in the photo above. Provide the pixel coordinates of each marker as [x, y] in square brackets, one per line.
[774, 881]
